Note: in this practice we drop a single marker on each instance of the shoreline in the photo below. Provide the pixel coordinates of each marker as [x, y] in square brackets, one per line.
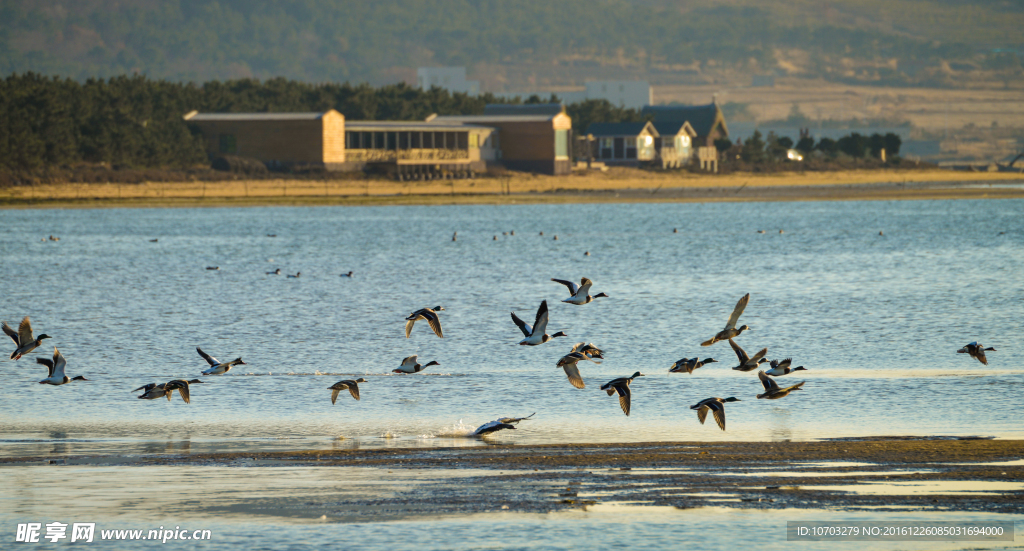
[921, 474]
[615, 186]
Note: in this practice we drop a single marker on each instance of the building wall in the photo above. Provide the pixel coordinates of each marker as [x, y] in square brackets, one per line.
[333, 137]
[287, 141]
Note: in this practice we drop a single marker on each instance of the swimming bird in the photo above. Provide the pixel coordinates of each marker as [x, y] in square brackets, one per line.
[748, 363]
[782, 368]
[55, 375]
[213, 267]
[730, 330]
[297, 274]
[349, 384]
[716, 406]
[23, 338]
[216, 367]
[153, 240]
[688, 365]
[772, 391]
[349, 274]
[579, 295]
[275, 272]
[973, 348]
[568, 364]
[538, 333]
[409, 365]
[429, 314]
[621, 385]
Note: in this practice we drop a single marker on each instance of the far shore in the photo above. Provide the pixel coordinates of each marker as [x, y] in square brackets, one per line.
[616, 186]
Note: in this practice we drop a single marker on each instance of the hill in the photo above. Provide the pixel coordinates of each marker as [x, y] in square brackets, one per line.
[949, 43]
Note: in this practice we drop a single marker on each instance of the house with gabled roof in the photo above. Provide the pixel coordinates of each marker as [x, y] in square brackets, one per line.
[707, 120]
[622, 143]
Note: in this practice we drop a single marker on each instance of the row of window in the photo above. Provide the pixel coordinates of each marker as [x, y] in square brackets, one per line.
[631, 148]
[411, 140]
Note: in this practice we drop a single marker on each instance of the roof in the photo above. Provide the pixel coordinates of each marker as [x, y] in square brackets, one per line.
[618, 128]
[196, 116]
[411, 125]
[701, 117]
[673, 128]
[492, 118]
[550, 109]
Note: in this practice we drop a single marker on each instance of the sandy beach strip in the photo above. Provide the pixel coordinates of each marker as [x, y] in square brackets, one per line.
[616, 185]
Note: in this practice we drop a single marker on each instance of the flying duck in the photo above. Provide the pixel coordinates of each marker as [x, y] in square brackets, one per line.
[55, 375]
[538, 333]
[748, 363]
[589, 349]
[568, 364]
[688, 365]
[499, 424]
[152, 391]
[782, 368]
[275, 272]
[730, 330]
[973, 348]
[216, 367]
[23, 338]
[772, 391]
[409, 365]
[349, 384]
[621, 385]
[579, 295]
[716, 406]
[429, 314]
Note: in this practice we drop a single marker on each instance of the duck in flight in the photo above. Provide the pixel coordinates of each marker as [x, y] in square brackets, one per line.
[730, 330]
[568, 364]
[23, 340]
[500, 424]
[621, 386]
[55, 374]
[580, 294]
[589, 349]
[772, 390]
[429, 314]
[152, 391]
[688, 365]
[714, 405]
[352, 386]
[409, 365]
[216, 367]
[973, 348]
[748, 363]
[782, 368]
[538, 333]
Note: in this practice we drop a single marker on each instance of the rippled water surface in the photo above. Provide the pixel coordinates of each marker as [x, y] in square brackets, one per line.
[875, 318]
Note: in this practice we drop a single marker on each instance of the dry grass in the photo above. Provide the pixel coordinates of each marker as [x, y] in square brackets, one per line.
[523, 188]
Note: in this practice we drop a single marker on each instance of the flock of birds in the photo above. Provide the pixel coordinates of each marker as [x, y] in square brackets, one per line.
[533, 336]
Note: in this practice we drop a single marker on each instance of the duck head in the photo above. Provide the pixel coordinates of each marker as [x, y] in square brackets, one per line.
[559, 334]
[79, 378]
[438, 309]
[195, 381]
[360, 380]
[801, 368]
[238, 361]
[432, 362]
[743, 328]
[710, 361]
[43, 336]
[600, 295]
[731, 399]
[637, 374]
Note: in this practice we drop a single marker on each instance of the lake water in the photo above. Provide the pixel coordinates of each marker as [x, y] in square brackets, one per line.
[876, 319]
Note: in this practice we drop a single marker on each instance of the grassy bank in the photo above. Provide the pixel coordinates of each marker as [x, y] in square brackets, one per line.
[616, 185]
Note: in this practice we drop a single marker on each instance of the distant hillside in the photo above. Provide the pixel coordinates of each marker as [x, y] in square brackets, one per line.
[519, 43]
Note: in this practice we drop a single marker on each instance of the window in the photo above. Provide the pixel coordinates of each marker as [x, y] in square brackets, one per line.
[417, 140]
[474, 141]
[620, 148]
[228, 144]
